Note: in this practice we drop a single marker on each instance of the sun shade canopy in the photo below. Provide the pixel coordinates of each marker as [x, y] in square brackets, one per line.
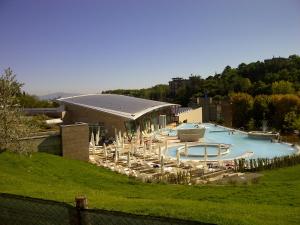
[119, 105]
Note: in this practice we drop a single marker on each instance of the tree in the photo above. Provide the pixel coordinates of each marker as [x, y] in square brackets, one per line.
[282, 87]
[241, 109]
[261, 109]
[290, 121]
[13, 125]
[31, 101]
[280, 106]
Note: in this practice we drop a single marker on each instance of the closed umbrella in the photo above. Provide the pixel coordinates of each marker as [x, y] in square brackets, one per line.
[122, 144]
[150, 143]
[205, 154]
[162, 166]
[131, 147]
[178, 157]
[116, 154]
[159, 152]
[128, 160]
[92, 141]
[120, 136]
[116, 135]
[185, 149]
[97, 136]
[166, 147]
[105, 152]
[144, 151]
[142, 143]
[94, 148]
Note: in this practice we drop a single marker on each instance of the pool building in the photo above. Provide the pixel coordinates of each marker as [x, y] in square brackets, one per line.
[113, 112]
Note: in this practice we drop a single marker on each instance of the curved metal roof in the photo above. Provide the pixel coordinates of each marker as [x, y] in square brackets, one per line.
[119, 105]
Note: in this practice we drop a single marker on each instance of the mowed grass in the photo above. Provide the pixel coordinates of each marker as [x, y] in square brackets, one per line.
[274, 200]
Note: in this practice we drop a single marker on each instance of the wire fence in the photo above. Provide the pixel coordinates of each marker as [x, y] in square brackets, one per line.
[19, 210]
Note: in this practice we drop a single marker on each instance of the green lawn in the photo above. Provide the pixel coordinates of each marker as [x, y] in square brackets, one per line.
[274, 200]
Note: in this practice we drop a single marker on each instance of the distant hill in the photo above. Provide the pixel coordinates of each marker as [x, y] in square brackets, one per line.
[57, 95]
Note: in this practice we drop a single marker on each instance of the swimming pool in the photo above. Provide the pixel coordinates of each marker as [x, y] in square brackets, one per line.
[239, 143]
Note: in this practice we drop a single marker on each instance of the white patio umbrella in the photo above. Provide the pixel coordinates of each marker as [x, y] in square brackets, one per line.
[122, 144]
[116, 135]
[162, 165]
[166, 147]
[120, 136]
[94, 148]
[128, 160]
[185, 149]
[205, 154]
[144, 151]
[97, 136]
[116, 154]
[92, 141]
[142, 143]
[159, 152]
[138, 134]
[150, 145]
[178, 157]
[152, 128]
[105, 152]
[131, 147]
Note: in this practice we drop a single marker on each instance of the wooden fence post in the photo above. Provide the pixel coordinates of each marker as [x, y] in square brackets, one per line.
[81, 204]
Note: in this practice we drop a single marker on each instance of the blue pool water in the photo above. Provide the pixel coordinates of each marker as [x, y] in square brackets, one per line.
[239, 141]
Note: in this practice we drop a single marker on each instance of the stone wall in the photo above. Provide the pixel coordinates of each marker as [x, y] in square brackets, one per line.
[49, 142]
[71, 142]
[75, 141]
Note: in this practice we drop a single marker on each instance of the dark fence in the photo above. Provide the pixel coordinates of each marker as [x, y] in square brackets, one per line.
[254, 165]
[18, 210]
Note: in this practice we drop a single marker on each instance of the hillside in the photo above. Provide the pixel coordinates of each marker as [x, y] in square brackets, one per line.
[271, 76]
[274, 200]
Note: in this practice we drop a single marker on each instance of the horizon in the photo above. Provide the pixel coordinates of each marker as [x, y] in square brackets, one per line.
[93, 46]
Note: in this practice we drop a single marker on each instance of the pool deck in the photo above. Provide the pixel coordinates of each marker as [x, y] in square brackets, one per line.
[144, 161]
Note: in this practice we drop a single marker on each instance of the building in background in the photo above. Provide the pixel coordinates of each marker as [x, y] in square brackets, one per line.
[216, 110]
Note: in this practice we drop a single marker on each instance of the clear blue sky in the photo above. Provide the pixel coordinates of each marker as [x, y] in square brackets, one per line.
[87, 46]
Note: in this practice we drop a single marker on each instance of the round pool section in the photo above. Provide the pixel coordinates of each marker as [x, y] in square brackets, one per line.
[240, 145]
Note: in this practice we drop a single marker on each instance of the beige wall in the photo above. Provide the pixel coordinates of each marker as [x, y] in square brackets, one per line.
[192, 116]
[80, 114]
[75, 141]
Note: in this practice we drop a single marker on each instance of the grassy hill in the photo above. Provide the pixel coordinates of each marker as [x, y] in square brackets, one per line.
[274, 200]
